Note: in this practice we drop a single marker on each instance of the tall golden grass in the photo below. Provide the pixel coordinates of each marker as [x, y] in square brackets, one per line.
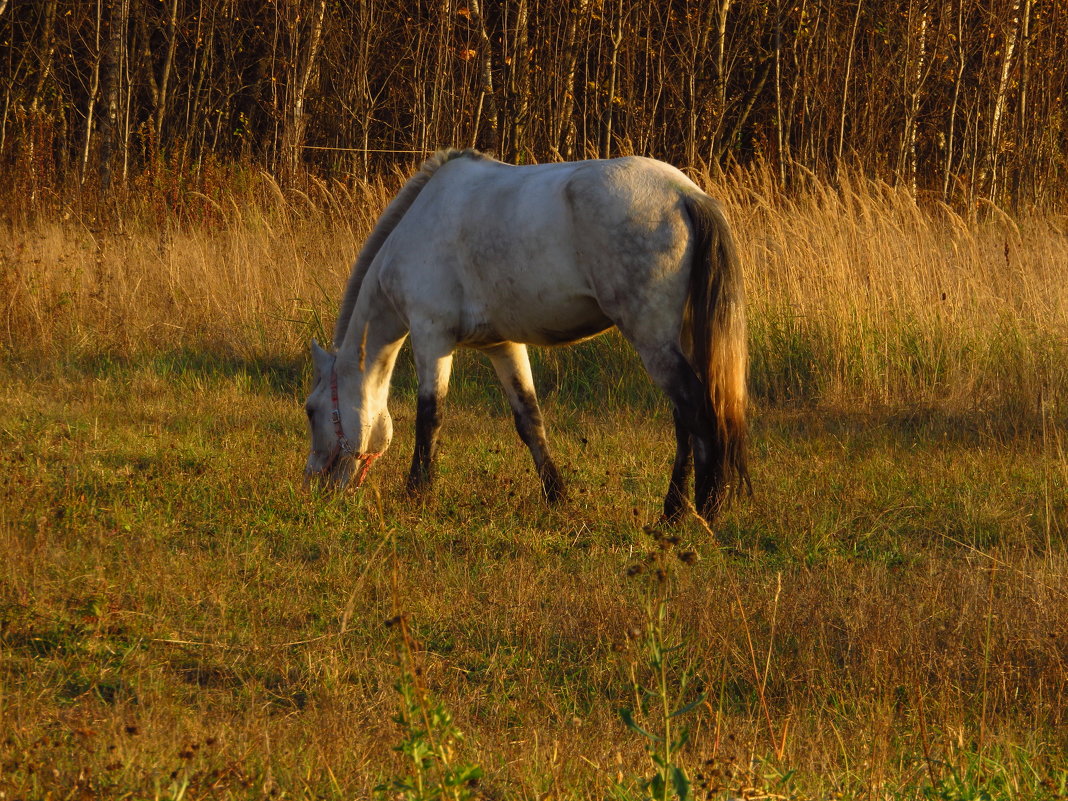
[859, 294]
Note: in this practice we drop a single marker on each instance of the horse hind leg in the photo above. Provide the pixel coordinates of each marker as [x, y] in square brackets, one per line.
[678, 487]
[512, 365]
[695, 433]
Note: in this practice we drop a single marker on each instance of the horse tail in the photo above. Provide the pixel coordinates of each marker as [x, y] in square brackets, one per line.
[397, 208]
[714, 333]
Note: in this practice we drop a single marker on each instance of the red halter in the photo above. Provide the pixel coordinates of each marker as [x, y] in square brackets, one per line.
[343, 444]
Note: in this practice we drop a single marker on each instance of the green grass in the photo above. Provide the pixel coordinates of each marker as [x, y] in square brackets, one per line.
[885, 618]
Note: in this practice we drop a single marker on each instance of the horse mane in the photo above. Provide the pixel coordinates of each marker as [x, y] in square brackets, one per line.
[393, 214]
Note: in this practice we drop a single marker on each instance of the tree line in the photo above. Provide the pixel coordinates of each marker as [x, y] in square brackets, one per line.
[957, 99]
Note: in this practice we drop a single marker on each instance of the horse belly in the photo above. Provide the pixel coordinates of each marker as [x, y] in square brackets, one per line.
[539, 318]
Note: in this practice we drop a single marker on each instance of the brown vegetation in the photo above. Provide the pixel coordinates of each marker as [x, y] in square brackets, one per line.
[859, 297]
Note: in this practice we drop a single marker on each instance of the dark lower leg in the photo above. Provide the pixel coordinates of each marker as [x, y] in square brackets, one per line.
[675, 502]
[528, 423]
[427, 426]
[709, 489]
[693, 413]
[512, 365]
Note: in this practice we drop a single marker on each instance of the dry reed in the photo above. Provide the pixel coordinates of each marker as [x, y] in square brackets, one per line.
[860, 297]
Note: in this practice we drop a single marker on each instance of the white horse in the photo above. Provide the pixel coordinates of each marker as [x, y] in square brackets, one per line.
[495, 257]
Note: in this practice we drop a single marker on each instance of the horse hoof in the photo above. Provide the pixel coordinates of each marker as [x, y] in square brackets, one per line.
[670, 519]
[552, 484]
[555, 493]
[416, 487]
[674, 510]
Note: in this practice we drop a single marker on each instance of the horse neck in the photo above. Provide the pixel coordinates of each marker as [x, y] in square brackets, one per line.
[369, 351]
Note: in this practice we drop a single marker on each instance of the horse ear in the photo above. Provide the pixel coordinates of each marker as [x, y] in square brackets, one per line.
[322, 360]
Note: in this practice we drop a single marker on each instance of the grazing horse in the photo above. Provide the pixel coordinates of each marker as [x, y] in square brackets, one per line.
[496, 257]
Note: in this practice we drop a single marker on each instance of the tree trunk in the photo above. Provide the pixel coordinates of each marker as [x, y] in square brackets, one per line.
[780, 122]
[304, 51]
[365, 111]
[912, 84]
[1000, 99]
[562, 139]
[45, 52]
[1022, 131]
[519, 84]
[94, 90]
[845, 90]
[745, 108]
[613, 69]
[113, 56]
[434, 126]
[487, 98]
[722, 10]
[951, 133]
[165, 72]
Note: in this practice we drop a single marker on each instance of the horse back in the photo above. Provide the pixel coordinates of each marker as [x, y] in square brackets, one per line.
[542, 254]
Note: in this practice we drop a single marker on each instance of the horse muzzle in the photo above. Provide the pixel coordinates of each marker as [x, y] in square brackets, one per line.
[340, 470]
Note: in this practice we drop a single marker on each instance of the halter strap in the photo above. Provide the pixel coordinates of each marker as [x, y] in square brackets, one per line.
[344, 444]
[335, 415]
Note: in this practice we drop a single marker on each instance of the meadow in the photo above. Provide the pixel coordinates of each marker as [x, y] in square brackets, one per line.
[885, 618]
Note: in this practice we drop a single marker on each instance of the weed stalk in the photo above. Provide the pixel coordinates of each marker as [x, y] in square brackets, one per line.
[665, 698]
[430, 737]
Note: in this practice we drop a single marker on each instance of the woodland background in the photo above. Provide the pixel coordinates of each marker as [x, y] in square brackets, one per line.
[959, 100]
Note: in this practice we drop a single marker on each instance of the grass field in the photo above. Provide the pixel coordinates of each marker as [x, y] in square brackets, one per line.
[887, 616]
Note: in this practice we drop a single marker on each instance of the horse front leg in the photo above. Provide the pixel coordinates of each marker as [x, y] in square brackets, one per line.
[433, 370]
[512, 365]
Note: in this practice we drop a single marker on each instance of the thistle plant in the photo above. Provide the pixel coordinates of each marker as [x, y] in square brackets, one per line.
[662, 694]
[430, 740]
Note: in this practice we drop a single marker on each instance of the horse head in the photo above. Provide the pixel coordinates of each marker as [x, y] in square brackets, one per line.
[347, 434]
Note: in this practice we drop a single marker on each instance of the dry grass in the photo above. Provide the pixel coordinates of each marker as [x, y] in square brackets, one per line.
[862, 297]
[859, 297]
[250, 273]
[886, 618]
